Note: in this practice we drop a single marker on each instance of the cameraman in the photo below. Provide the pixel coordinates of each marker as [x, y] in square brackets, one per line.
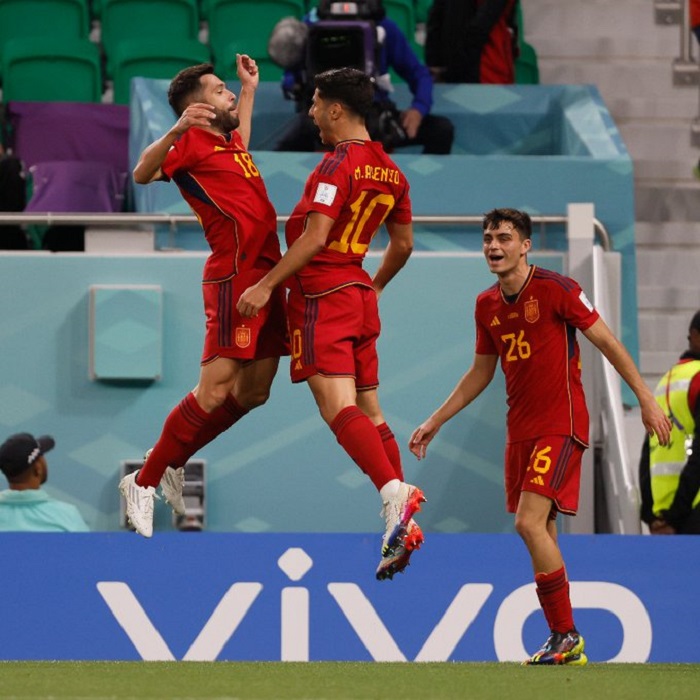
[414, 125]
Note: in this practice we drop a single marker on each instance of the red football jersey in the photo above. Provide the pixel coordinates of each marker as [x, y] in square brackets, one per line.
[534, 333]
[218, 179]
[360, 187]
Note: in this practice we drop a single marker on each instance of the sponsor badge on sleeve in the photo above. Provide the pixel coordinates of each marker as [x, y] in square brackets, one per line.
[586, 302]
[325, 193]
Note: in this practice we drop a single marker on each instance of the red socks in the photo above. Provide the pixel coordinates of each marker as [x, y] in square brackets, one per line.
[359, 437]
[187, 429]
[220, 419]
[553, 592]
[392, 449]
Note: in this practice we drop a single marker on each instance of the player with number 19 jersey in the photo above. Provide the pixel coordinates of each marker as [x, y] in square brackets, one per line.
[360, 187]
[534, 334]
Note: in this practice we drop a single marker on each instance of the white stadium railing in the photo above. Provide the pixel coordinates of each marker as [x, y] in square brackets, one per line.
[591, 262]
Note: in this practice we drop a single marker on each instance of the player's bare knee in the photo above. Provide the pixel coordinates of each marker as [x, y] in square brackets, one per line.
[526, 527]
[211, 398]
[258, 398]
[254, 397]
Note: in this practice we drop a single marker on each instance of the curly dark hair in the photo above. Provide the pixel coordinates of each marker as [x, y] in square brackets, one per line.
[186, 85]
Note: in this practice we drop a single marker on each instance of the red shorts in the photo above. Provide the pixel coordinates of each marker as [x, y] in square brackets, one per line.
[335, 335]
[550, 466]
[228, 334]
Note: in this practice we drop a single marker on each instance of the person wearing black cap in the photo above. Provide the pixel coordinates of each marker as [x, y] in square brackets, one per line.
[25, 507]
[669, 477]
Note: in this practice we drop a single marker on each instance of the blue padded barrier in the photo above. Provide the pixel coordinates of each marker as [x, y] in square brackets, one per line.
[290, 597]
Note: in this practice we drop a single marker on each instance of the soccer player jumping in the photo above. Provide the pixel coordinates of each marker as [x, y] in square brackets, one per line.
[528, 320]
[205, 154]
[333, 315]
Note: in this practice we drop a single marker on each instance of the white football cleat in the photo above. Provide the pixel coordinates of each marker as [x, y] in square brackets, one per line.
[171, 484]
[398, 512]
[139, 504]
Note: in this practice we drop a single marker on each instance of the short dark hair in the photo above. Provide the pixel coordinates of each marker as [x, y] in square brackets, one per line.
[695, 322]
[353, 88]
[520, 219]
[185, 85]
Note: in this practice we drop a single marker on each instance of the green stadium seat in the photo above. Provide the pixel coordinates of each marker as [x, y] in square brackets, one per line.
[152, 58]
[121, 20]
[527, 70]
[204, 6]
[204, 9]
[45, 69]
[403, 12]
[422, 9]
[96, 8]
[69, 19]
[247, 25]
[226, 66]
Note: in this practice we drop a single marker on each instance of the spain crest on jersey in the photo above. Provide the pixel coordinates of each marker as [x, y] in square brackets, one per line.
[532, 311]
[242, 337]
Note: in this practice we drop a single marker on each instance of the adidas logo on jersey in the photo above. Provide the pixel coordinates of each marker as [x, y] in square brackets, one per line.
[495, 321]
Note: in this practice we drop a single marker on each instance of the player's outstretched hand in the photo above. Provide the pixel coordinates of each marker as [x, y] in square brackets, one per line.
[421, 437]
[247, 70]
[656, 421]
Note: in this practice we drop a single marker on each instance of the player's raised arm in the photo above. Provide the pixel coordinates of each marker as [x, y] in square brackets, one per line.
[476, 379]
[654, 419]
[249, 75]
[299, 254]
[148, 168]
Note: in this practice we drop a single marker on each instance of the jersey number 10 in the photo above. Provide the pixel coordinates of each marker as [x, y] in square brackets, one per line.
[352, 239]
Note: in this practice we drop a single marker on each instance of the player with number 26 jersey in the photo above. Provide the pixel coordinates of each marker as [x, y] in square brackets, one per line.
[540, 321]
[528, 320]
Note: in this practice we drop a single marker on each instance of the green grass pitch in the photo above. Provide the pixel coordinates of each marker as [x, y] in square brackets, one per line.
[336, 680]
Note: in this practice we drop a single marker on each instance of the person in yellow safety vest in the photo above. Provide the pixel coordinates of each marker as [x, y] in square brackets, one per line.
[670, 476]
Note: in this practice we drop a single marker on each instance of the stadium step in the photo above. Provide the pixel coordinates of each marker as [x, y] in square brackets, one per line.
[619, 47]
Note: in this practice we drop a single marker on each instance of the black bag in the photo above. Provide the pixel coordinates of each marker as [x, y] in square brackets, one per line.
[384, 124]
[13, 198]
[13, 195]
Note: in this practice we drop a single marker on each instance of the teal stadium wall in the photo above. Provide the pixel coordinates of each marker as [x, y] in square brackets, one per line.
[279, 470]
[532, 147]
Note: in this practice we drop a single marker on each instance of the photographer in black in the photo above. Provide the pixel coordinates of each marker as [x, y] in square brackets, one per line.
[358, 35]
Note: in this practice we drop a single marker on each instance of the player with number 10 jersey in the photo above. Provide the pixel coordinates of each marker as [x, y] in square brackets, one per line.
[332, 306]
[360, 187]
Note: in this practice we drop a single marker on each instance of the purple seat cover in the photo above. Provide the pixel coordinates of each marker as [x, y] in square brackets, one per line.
[76, 186]
[51, 131]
